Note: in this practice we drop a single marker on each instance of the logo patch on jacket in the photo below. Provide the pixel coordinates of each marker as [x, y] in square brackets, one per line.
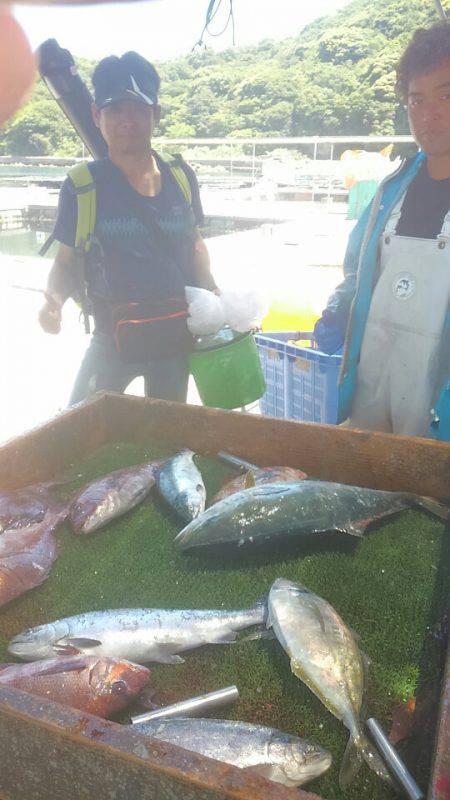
[403, 286]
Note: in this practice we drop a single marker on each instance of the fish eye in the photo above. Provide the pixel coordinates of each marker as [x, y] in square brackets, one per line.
[118, 687]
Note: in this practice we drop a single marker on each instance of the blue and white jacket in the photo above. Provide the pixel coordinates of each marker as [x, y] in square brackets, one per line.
[348, 307]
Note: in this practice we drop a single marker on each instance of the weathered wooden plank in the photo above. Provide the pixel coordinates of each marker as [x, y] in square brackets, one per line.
[381, 461]
[53, 752]
[46, 451]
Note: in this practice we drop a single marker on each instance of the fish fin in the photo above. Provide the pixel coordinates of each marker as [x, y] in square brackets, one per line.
[249, 481]
[440, 510]
[225, 638]
[262, 770]
[357, 638]
[168, 658]
[64, 665]
[351, 764]
[66, 650]
[321, 619]
[357, 528]
[80, 642]
[264, 634]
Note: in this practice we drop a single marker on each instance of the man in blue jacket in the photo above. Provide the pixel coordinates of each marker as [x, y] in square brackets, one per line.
[393, 307]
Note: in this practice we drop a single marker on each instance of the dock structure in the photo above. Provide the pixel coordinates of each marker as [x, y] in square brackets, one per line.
[307, 168]
[12, 219]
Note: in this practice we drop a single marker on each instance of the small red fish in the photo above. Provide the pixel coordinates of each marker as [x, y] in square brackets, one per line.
[257, 477]
[101, 686]
[21, 507]
[111, 496]
[27, 556]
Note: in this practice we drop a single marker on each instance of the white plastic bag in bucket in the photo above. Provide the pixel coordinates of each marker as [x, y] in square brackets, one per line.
[244, 311]
[206, 311]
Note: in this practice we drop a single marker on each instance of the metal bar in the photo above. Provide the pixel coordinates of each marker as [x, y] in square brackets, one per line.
[394, 761]
[194, 707]
[292, 140]
[53, 752]
[234, 461]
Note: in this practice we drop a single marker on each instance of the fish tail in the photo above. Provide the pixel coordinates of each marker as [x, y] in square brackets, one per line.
[253, 637]
[250, 479]
[351, 764]
[359, 748]
[440, 510]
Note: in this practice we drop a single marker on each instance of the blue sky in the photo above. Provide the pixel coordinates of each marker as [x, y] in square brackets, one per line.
[164, 29]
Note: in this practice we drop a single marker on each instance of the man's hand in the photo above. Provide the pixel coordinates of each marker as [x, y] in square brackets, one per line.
[328, 334]
[50, 314]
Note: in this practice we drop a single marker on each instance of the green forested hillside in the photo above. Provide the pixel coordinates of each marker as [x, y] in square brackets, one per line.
[335, 77]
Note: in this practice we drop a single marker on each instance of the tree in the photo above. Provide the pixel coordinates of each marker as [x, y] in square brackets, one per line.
[336, 77]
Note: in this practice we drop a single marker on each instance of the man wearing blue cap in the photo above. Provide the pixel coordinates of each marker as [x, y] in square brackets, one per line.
[142, 249]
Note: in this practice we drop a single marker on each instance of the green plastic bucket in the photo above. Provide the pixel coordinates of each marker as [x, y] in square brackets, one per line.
[229, 376]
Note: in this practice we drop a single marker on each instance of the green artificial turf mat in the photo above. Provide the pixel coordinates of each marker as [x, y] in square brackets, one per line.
[389, 587]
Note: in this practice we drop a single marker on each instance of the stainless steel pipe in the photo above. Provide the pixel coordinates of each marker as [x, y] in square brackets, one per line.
[194, 707]
[393, 761]
[235, 461]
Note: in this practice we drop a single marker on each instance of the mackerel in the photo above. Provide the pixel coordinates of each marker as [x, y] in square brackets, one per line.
[181, 485]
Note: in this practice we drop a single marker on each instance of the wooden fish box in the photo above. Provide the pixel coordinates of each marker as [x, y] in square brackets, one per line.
[52, 752]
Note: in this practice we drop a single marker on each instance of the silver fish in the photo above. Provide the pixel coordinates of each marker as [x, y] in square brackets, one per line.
[137, 634]
[278, 756]
[325, 656]
[111, 496]
[181, 485]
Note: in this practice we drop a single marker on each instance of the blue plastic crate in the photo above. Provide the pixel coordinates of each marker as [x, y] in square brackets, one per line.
[272, 353]
[301, 381]
[312, 380]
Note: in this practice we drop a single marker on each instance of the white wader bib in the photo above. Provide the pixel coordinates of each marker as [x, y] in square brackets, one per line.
[396, 373]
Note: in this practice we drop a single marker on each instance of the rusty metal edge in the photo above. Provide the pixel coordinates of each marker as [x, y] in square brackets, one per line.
[439, 787]
[38, 441]
[105, 407]
[126, 744]
[321, 450]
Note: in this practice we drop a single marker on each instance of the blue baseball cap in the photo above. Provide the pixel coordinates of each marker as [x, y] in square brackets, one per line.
[130, 76]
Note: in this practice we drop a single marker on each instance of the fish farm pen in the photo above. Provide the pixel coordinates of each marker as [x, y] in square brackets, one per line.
[391, 587]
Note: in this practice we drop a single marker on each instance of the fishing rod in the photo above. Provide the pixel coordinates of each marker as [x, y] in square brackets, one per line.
[59, 72]
[440, 9]
[28, 288]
